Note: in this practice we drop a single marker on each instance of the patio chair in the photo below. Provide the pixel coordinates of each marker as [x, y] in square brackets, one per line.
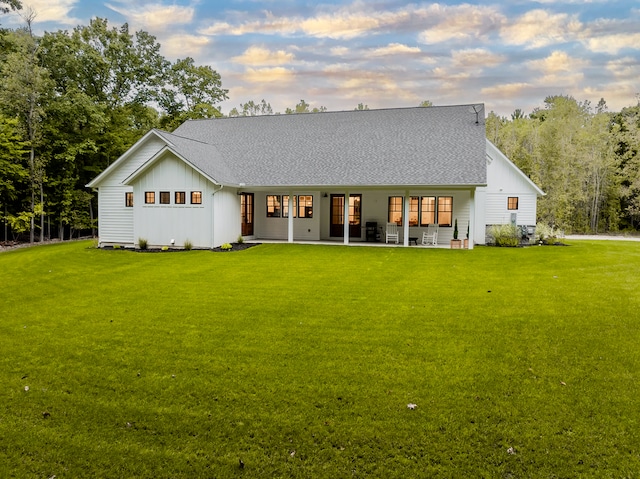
[392, 233]
[430, 237]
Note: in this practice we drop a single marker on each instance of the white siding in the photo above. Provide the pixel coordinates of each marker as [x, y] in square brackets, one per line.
[374, 208]
[304, 229]
[226, 216]
[115, 220]
[505, 180]
[158, 223]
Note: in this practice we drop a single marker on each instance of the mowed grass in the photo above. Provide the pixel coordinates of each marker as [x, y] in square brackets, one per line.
[299, 361]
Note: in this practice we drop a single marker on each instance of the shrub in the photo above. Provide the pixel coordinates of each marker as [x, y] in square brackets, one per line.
[505, 235]
[142, 243]
[188, 245]
[165, 248]
[240, 239]
[226, 246]
[545, 234]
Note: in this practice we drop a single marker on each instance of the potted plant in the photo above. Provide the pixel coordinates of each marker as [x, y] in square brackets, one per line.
[466, 240]
[455, 242]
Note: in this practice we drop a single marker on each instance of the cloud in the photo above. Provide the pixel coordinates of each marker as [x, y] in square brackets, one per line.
[183, 45]
[258, 55]
[458, 23]
[48, 11]
[613, 43]
[476, 57]
[339, 51]
[505, 90]
[262, 75]
[394, 49]
[539, 28]
[557, 62]
[361, 19]
[154, 16]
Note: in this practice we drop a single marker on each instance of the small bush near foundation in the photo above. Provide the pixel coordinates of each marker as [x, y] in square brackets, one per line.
[240, 239]
[505, 235]
[188, 245]
[226, 246]
[142, 243]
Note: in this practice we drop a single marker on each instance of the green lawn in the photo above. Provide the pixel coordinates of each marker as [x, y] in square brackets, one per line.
[300, 361]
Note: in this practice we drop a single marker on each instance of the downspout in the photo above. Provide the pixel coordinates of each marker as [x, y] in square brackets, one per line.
[213, 215]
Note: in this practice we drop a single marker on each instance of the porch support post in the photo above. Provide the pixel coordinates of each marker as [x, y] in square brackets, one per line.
[346, 217]
[290, 219]
[405, 218]
[472, 217]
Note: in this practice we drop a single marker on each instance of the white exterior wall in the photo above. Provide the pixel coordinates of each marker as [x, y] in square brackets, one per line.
[115, 221]
[375, 206]
[304, 229]
[160, 223]
[226, 216]
[505, 180]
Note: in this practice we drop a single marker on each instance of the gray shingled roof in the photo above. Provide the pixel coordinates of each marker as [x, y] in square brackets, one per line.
[411, 146]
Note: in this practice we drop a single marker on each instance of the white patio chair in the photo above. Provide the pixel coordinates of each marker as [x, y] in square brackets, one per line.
[392, 233]
[430, 237]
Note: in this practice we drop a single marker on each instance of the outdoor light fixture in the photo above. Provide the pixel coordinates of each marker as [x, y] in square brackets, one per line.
[173, 241]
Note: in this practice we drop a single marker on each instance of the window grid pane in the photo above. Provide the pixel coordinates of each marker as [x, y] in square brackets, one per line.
[395, 210]
[445, 210]
[428, 210]
[180, 197]
[305, 206]
[128, 199]
[512, 203]
[165, 198]
[414, 206]
[273, 206]
[285, 206]
[196, 197]
[149, 197]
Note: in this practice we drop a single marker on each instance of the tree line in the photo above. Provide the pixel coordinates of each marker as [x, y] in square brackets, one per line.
[72, 102]
[585, 158]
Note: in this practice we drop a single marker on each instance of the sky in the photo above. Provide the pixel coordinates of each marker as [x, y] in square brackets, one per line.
[387, 53]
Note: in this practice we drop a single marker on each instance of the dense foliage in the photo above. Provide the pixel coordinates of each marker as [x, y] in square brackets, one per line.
[70, 104]
[585, 159]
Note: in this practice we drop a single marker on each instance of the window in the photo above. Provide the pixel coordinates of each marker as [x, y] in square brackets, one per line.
[128, 199]
[512, 203]
[445, 210]
[165, 198]
[285, 206]
[414, 207]
[196, 197]
[149, 197]
[395, 210]
[180, 198]
[427, 210]
[305, 206]
[273, 206]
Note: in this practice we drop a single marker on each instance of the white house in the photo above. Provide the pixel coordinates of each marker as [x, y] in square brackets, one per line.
[297, 177]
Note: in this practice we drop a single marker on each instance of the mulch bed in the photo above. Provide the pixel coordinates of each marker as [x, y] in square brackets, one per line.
[236, 247]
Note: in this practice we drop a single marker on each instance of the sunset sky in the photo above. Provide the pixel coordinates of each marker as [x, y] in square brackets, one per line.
[338, 53]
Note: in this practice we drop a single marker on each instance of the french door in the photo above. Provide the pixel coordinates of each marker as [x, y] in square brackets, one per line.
[337, 216]
[246, 213]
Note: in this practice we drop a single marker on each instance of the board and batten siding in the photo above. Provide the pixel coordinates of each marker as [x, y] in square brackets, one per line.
[160, 223]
